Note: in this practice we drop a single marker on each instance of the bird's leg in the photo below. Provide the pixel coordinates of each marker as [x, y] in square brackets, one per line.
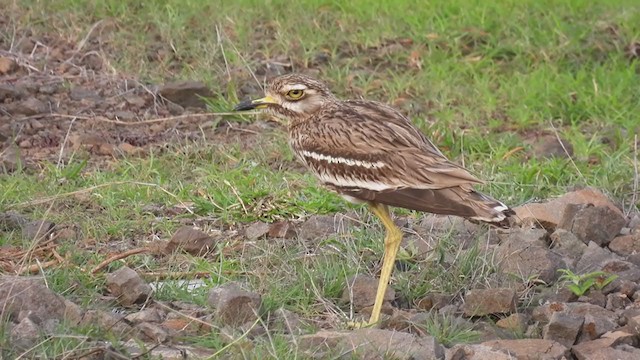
[391, 244]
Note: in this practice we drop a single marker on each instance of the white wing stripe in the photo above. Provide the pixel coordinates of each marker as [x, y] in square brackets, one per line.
[341, 160]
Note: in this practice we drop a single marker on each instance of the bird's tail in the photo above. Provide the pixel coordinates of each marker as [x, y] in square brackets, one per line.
[489, 210]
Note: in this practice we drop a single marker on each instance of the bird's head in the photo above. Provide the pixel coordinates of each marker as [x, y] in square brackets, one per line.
[291, 96]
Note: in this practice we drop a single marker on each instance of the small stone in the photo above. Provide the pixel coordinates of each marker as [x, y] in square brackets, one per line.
[601, 349]
[11, 220]
[529, 259]
[481, 302]
[186, 93]
[563, 328]
[136, 350]
[128, 286]
[433, 301]
[154, 332]
[7, 65]
[30, 106]
[514, 322]
[370, 344]
[318, 227]
[106, 321]
[191, 240]
[597, 320]
[530, 349]
[599, 224]
[288, 321]
[37, 230]
[29, 296]
[476, 352]
[79, 93]
[550, 213]
[595, 298]
[593, 258]
[626, 245]
[233, 305]
[361, 290]
[11, 158]
[282, 230]
[25, 334]
[617, 301]
[550, 145]
[150, 315]
[256, 230]
[568, 245]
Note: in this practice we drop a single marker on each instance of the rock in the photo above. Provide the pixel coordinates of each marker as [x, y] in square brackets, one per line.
[11, 220]
[433, 301]
[563, 328]
[626, 245]
[256, 230]
[107, 321]
[623, 335]
[599, 224]
[514, 322]
[543, 313]
[361, 290]
[370, 344]
[476, 352]
[25, 334]
[549, 146]
[593, 259]
[8, 91]
[568, 245]
[37, 230]
[288, 322]
[282, 230]
[550, 213]
[186, 93]
[11, 158]
[7, 65]
[601, 349]
[80, 93]
[595, 298]
[29, 296]
[481, 302]
[233, 305]
[625, 270]
[128, 286]
[617, 301]
[191, 240]
[135, 350]
[597, 320]
[154, 332]
[151, 315]
[30, 106]
[529, 258]
[318, 227]
[529, 349]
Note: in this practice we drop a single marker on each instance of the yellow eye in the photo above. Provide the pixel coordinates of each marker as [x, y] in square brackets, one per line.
[295, 94]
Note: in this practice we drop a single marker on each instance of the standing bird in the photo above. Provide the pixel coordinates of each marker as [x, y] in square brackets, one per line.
[370, 153]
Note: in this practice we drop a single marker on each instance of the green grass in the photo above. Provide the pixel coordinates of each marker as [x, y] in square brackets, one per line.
[477, 77]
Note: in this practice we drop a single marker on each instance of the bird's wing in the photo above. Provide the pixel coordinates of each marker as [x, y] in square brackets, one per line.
[361, 144]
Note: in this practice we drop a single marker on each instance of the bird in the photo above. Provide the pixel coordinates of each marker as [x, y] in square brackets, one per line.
[369, 152]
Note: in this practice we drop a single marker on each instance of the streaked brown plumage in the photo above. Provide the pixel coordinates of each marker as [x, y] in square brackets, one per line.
[369, 152]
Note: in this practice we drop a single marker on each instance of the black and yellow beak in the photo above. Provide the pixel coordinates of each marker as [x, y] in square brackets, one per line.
[255, 104]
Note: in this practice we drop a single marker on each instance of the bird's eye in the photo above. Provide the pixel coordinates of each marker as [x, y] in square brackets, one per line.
[295, 94]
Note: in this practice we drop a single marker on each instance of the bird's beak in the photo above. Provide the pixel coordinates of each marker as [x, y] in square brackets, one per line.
[255, 104]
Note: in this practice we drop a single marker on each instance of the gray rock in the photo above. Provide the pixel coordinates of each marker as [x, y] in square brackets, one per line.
[30, 106]
[128, 286]
[593, 259]
[11, 220]
[599, 224]
[514, 322]
[602, 349]
[233, 305]
[282, 230]
[626, 245]
[186, 93]
[151, 315]
[563, 328]
[617, 301]
[361, 290]
[481, 302]
[154, 332]
[288, 322]
[530, 349]
[476, 352]
[529, 258]
[25, 334]
[256, 230]
[191, 240]
[597, 320]
[37, 230]
[108, 322]
[568, 246]
[11, 158]
[136, 350]
[370, 344]
[318, 227]
[28, 296]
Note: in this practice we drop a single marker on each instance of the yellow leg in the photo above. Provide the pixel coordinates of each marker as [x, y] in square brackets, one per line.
[391, 244]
